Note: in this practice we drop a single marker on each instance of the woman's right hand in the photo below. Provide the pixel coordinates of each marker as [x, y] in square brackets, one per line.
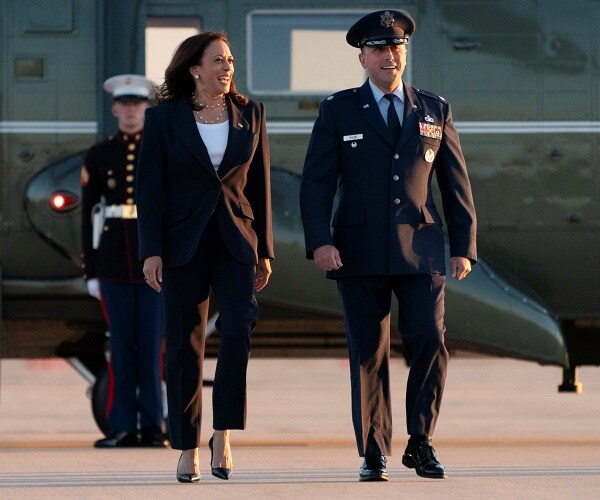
[153, 272]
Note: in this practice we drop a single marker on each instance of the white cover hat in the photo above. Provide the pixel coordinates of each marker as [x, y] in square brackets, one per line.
[123, 87]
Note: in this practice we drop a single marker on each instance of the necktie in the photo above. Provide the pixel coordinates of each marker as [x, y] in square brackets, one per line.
[393, 122]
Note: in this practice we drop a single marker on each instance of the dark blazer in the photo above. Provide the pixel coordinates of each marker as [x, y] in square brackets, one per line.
[109, 172]
[178, 189]
[386, 221]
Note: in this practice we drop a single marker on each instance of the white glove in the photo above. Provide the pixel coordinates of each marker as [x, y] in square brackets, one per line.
[93, 287]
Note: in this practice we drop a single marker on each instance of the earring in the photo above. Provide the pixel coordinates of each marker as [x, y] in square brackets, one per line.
[196, 77]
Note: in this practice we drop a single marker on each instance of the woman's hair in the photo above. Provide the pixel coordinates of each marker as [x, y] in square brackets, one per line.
[179, 83]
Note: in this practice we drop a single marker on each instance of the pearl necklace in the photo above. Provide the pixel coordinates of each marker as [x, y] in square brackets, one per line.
[217, 118]
[202, 107]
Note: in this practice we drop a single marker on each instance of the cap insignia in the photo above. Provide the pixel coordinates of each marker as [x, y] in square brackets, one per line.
[387, 19]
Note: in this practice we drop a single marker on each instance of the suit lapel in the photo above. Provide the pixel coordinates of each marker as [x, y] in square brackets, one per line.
[238, 135]
[371, 112]
[186, 128]
[412, 115]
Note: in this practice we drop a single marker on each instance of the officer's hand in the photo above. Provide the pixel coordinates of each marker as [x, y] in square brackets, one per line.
[153, 272]
[263, 271]
[93, 287]
[460, 266]
[327, 258]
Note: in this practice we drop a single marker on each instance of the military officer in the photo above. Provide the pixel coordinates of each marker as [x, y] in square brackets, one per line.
[114, 276]
[377, 147]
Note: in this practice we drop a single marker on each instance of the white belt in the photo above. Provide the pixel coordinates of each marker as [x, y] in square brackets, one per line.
[120, 212]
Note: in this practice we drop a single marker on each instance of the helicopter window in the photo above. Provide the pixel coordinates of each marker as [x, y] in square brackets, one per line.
[163, 35]
[301, 52]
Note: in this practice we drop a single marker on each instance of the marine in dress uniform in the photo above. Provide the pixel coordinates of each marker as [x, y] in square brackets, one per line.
[377, 148]
[114, 275]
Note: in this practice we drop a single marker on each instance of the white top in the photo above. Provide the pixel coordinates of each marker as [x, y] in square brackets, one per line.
[215, 136]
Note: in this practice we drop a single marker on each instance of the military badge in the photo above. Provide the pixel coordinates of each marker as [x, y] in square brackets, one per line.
[430, 130]
[429, 155]
[387, 19]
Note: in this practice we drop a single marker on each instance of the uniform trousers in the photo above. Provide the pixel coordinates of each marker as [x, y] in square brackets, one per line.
[136, 327]
[186, 292]
[366, 303]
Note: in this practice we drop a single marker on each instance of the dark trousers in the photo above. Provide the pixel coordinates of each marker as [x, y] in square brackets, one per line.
[367, 302]
[136, 325]
[186, 292]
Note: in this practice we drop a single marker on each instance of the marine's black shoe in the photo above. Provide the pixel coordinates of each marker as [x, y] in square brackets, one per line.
[118, 440]
[424, 461]
[153, 438]
[373, 469]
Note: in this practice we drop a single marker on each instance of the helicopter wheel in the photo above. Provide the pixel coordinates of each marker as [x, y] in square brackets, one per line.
[100, 401]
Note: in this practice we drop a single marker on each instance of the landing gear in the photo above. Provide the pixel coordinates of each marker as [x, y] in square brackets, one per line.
[100, 398]
[570, 381]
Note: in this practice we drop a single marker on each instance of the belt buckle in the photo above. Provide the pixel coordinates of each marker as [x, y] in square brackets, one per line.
[128, 212]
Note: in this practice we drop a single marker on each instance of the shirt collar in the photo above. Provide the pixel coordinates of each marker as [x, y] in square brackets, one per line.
[378, 94]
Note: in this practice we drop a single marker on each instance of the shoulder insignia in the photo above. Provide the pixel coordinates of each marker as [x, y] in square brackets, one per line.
[342, 93]
[430, 94]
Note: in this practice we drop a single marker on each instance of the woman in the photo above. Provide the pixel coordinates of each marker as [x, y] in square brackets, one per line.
[204, 218]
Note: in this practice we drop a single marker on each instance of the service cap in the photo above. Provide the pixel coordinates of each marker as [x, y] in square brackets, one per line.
[129, 88]
[383, 27]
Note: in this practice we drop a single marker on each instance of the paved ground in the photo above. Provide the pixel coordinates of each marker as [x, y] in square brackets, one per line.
[504, 432]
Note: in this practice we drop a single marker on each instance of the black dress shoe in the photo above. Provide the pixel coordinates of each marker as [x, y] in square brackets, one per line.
[424, 461]
[118, 440]
[186, 477]
[220, 472]
[153, 438]
[373, 469]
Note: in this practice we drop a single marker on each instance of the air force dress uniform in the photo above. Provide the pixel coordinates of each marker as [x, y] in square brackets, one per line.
[388, 231]
[110, 255]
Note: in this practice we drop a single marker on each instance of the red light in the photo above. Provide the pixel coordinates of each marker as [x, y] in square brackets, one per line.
[63, 201]
[58, 201]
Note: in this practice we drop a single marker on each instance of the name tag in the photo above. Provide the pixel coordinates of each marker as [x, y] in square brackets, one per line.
[354, 137]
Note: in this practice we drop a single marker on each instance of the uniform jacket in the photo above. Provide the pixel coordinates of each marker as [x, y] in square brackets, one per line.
[179, 190]
[109, 173]
[385, 221]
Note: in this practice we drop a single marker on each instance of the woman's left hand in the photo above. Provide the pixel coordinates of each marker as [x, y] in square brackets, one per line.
[263, 271]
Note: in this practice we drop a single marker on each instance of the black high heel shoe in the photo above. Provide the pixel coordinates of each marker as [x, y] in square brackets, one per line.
[220, 472]
[187, 478]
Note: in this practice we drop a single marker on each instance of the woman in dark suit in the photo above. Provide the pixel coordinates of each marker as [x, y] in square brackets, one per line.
[204, 218]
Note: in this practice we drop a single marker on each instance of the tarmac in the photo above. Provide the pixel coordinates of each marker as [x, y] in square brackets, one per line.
[504, 432]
